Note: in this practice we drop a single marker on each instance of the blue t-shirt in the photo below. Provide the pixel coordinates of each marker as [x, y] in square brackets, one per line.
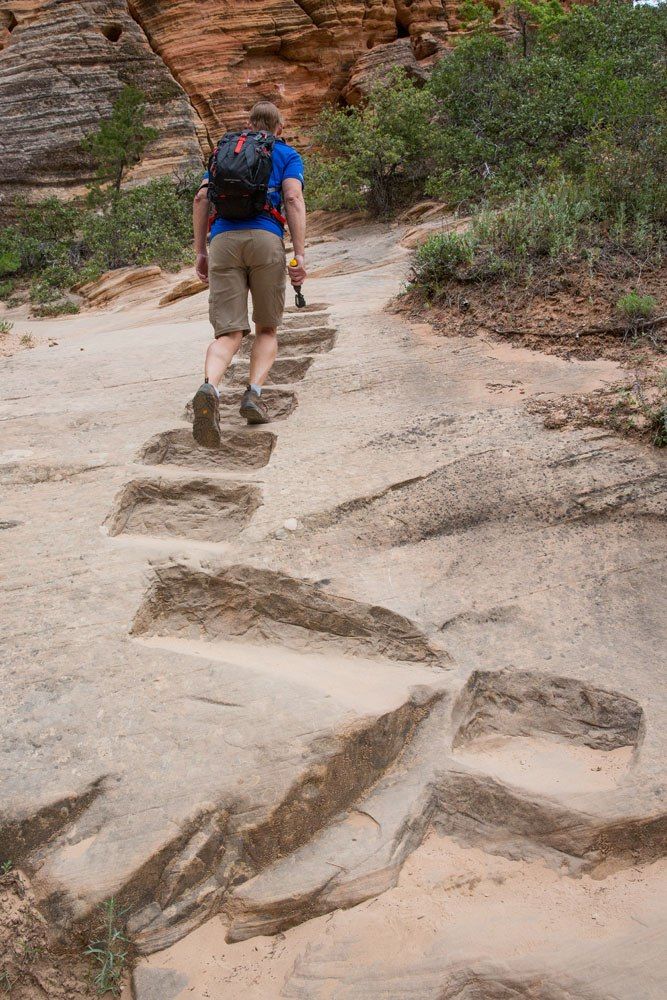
[286, 163]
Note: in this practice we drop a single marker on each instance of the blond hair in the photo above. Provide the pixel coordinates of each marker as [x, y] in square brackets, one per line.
[265, 117]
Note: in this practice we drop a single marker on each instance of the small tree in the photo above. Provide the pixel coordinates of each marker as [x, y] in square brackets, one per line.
[120, 141]
[375, 154]
[534, 15]
[474, 14]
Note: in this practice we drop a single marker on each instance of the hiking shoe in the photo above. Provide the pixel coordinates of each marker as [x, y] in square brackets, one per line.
[253, 408]
[206, 423]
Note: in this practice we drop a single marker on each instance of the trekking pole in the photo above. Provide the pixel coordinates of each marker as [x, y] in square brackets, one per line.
[299, 300]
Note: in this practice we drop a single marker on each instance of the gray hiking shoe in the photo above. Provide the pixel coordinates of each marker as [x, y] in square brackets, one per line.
[206, 423]
[253, 408]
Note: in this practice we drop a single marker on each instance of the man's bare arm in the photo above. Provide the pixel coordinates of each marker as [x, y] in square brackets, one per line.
[200, 210]
[295, 210]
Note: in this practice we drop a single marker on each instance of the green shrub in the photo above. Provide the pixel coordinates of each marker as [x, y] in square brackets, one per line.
[474, 14]
[6, 326]
[43, 241]
[551, 224]
[63, 307]
[109, 948]
[54, 245]
[375, 155]
[589, 100]
[10, 262]
[658, 427]
[440, 258]
[150, 224]
[635, 307]
[581, 94]
[548, 223]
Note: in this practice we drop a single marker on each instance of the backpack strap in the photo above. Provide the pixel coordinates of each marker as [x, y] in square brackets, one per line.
[275, 214]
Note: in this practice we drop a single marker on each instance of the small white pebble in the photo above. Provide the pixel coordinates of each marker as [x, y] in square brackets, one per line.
[291, 524]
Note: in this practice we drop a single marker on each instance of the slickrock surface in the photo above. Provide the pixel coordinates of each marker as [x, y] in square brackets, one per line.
[117, 283]
[367, 703]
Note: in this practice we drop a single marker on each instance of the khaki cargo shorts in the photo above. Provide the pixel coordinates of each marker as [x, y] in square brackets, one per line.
[246, 260]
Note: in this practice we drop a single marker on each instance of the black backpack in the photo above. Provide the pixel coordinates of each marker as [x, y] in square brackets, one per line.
[239, 169]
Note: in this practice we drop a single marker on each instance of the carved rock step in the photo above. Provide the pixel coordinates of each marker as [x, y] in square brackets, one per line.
[427, 929]
[300, 321]
[198, 508]
[281, 403]
[226, 849]
[523, 703]
[312, 307]
[298, 342]
[284, 371]
[171, 849]
[260, 605]
[361, 854]
[239, 450]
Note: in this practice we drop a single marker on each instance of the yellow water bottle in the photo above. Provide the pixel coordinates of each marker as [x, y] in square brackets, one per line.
[299, 300]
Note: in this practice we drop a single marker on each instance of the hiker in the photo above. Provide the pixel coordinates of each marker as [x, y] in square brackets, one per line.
[250, 176]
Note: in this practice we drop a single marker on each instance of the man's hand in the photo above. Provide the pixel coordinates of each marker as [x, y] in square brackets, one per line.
[201, 267]
[298, 274]
[295, 210]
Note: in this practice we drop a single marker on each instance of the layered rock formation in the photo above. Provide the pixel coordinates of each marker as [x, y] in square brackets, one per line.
[229, 53]
[62, 64]
[201, 64]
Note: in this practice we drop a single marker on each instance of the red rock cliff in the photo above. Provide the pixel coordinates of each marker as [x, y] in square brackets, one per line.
[202, 64]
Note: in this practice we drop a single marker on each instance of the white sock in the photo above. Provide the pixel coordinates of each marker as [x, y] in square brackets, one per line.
[256, 388]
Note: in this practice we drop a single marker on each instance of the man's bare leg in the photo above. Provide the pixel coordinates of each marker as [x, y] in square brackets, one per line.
[219, 356]
[264, 351]
[206, 423]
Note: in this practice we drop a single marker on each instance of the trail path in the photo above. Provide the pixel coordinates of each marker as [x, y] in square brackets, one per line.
[401, 648]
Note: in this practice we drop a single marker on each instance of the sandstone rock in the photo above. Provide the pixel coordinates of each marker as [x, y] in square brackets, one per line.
[322, 224]
[62, 64]
[201, 64]
[421, 211]
[228, 55]
[375, 65]
[189, 286]
[427, 45]
[115, 283]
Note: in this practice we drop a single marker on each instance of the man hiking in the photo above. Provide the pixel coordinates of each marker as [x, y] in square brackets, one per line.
[250, 176]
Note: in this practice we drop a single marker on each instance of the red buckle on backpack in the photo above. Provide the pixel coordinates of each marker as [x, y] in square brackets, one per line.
[276, 214]
[239, 144]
